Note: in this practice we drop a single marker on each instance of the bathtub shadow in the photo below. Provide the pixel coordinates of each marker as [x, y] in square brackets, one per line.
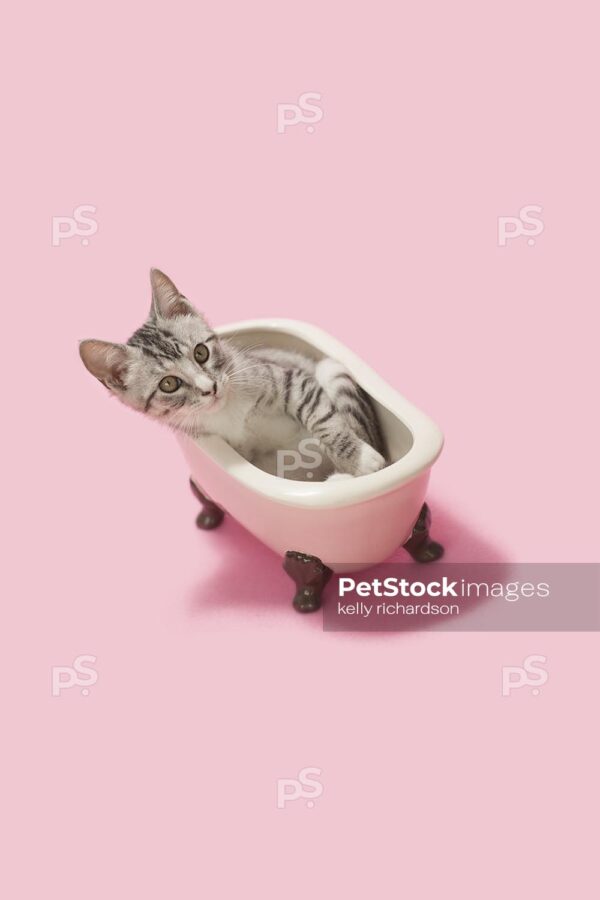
[249, 577]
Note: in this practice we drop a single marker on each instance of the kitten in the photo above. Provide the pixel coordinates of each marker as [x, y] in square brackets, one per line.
[260, 400]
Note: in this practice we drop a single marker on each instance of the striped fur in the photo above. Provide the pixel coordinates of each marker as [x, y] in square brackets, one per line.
[263, 401]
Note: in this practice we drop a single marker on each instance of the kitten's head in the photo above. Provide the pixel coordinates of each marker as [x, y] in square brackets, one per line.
[174, 368]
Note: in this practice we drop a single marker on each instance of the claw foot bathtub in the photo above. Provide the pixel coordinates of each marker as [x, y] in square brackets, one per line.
[326, 526]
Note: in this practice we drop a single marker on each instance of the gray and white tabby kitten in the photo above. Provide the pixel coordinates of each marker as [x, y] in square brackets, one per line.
[260, 400]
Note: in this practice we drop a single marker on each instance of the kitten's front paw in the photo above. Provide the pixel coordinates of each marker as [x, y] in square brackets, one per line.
[369, 460]
[339, 476]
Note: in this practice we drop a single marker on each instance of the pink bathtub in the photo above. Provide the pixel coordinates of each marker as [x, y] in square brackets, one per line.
[324, 526]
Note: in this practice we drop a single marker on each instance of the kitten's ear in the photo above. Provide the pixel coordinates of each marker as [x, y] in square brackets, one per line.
[106, 362]
[167, 302]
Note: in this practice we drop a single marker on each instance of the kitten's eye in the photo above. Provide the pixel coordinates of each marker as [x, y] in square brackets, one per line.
[170, 384]
[201, 353]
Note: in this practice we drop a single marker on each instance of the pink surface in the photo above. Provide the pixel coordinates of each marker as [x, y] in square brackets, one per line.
[381, 226]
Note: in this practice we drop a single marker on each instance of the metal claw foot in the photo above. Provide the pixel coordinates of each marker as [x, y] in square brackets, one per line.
[419, 545]
[310, 576]
[210, 515]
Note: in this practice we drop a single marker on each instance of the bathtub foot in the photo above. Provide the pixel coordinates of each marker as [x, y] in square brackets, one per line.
[210, 515]
[419, 545]
[310, 576]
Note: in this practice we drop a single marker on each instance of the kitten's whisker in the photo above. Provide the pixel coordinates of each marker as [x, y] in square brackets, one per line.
[247, 369]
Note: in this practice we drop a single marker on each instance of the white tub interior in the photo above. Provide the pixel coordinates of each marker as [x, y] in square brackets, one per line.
[398, 437]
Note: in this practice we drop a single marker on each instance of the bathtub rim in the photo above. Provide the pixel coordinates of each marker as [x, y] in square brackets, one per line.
[427, 438]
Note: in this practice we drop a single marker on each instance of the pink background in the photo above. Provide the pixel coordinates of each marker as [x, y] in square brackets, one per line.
[381, 227]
